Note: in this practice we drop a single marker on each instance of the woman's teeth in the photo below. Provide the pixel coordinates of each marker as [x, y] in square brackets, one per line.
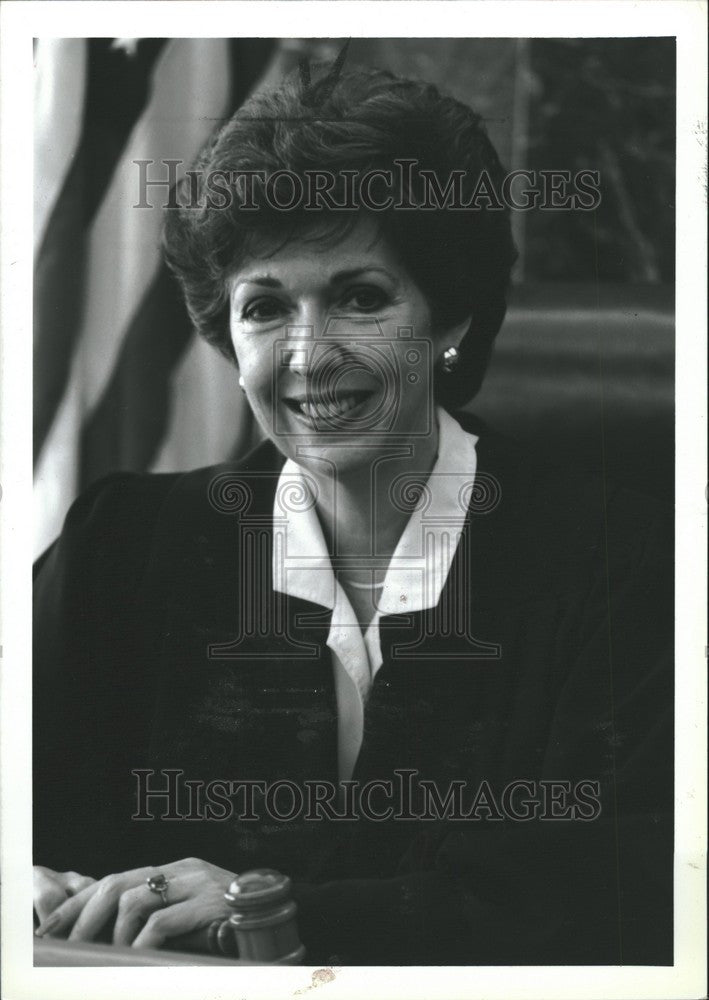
[333, 409]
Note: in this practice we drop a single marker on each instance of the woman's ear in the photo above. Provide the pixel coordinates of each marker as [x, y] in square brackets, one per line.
[453, 335]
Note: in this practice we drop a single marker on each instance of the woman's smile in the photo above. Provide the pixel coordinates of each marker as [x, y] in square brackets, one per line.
[327, 409]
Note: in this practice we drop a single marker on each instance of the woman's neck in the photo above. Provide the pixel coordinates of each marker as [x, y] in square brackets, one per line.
[361, 521]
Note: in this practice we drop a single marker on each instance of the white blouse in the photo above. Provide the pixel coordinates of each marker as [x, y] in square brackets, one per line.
[414, 579]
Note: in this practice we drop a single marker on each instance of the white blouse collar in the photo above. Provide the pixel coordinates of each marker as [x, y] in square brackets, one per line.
[422, 559]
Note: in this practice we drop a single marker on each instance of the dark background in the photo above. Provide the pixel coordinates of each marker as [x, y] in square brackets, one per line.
[604, 104]
[583, 369]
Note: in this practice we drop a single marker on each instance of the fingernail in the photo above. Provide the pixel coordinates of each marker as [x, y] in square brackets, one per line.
[49, 924]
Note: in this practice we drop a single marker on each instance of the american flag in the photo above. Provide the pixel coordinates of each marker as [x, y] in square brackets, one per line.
[121, 381]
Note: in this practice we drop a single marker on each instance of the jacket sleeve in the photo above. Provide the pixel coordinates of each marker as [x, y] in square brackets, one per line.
[89, 681]
[554, 891]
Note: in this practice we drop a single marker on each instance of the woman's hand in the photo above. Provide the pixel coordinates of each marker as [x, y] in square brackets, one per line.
[51, 889]
[194, 898]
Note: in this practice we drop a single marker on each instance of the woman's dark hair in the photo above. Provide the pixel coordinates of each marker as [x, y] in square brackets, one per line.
[460, 258]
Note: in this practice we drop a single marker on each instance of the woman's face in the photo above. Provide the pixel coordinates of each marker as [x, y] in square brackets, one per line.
[335, 346]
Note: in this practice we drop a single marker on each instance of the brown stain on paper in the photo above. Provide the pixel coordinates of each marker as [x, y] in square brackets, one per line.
[319, 978]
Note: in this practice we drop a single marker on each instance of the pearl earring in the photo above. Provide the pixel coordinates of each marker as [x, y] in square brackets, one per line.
[449, 360]
[241, 383]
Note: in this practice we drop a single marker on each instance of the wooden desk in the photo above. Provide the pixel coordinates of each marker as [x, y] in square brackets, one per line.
[54, 952]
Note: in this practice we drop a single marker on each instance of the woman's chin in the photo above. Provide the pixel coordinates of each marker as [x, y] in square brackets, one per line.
[341, 451]
[346, 441]
[327, 430]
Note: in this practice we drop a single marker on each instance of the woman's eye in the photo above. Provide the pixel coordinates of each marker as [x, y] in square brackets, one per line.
[365, 299]
[263, 310]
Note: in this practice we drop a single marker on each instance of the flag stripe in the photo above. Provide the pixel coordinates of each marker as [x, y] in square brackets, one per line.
[126, 427]
[135, 389]
[210, 414]
[56, 477]
[250, 60]
[58, 307]
[123, 253]
[125, 430]
[204, 393]
[60, 273]
[60, 81]
[118, 89]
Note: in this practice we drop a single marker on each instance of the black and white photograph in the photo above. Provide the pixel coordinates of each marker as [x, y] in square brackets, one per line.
[365, 512]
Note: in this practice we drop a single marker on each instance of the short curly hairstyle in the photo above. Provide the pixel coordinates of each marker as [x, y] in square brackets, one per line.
[460, 259]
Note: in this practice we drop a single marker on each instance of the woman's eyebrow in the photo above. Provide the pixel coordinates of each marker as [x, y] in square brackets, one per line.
[355, 272]
[267, 281]
[261, 279]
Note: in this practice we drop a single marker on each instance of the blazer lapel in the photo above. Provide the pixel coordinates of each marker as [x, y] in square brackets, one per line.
[438, 700]
[245, 680]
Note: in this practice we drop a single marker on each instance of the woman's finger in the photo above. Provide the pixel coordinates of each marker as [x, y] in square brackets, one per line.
[62, 918]
[75, 883]
[185, 884]
[135, 906]
[174, 921]
[102, 904]
[48, 892]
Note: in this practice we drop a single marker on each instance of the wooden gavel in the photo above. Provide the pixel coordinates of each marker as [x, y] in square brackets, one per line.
[263, 922]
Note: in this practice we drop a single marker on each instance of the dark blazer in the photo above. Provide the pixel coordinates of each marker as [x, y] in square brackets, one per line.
[159, 645]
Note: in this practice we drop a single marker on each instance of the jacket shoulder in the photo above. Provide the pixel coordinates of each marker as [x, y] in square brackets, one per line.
[125, 507]
[117, 506]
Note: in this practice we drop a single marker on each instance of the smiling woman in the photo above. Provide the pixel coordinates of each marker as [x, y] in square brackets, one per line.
[334, 396]
[386, 610]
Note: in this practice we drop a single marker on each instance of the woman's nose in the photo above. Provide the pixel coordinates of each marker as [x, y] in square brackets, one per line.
[297, 349]
[301, 337]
